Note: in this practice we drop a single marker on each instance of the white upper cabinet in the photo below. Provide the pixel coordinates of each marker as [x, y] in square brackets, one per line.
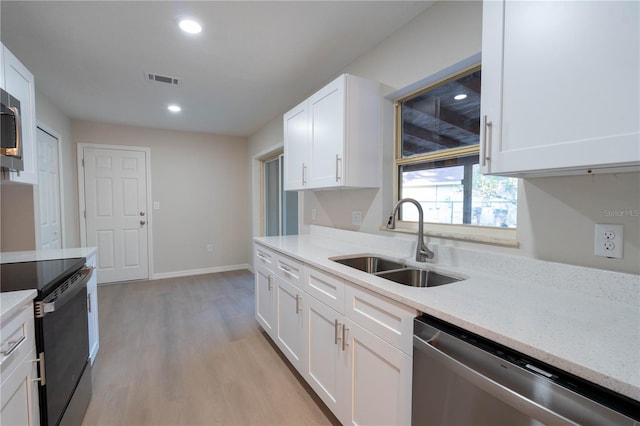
[332, 140]
[19, 82]
[560, 84]
[296, 137]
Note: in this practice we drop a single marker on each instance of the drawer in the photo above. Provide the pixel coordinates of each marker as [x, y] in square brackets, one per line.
[389, 320]
[264, 256]
[289, 269]
[326, 288]
[18, 341]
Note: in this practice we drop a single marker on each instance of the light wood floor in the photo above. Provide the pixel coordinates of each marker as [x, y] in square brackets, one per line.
[188, 351]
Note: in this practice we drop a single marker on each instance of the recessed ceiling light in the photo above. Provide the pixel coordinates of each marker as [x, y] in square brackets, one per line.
[460, 97]
[190, 26]
[174, 108]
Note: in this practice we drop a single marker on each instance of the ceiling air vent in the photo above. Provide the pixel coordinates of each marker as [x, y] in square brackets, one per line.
[162, 78]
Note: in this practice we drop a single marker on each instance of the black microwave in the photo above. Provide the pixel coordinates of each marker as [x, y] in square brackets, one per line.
[11, 129]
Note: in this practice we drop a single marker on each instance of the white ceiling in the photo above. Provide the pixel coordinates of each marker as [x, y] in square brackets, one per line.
[252, 62]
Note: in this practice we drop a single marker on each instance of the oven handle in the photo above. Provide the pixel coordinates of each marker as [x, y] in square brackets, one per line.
[52, 303]
[501, 392]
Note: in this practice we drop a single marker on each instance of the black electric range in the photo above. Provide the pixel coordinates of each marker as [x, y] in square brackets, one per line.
[61, 333]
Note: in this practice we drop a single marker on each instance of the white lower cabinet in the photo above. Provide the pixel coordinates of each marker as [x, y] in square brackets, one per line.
[362, 373]
[291, 336]
[360, 377]
[327, 363]
[92, 310]
[265, 298]
[18, 389]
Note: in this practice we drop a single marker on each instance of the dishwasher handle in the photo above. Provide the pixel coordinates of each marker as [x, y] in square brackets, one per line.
[497, 390]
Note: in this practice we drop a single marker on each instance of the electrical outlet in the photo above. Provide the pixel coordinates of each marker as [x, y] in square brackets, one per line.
[210, 248]
[356, 217]
[608, 241]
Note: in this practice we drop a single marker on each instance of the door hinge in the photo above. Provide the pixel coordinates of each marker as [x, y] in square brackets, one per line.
[82, 161]
[85, 214]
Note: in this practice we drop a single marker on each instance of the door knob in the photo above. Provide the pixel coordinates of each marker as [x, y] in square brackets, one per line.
[141, 213]
[142, 222]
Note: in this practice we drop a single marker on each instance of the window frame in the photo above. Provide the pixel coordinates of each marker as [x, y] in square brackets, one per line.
[463, 232]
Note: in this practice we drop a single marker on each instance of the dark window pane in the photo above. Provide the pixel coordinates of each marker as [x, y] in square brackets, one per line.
[444, 117]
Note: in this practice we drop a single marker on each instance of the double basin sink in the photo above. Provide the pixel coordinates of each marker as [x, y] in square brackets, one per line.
[395, 271]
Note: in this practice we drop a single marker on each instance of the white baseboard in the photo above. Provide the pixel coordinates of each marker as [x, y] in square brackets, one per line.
[202, 271]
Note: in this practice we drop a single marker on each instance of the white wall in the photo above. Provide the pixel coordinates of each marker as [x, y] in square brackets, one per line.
[556, 216]
[201, 182]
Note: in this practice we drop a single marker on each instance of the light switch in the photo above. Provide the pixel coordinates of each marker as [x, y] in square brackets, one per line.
[156, 205]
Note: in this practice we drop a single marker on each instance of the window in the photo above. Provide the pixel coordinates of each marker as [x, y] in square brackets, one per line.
[437, 158]
[280, 208]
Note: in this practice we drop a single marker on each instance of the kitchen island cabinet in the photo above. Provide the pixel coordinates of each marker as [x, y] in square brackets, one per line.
[560, 88]
[92, 308]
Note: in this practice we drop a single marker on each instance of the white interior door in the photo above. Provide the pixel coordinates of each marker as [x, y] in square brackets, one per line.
[115, 185]
[48, 191]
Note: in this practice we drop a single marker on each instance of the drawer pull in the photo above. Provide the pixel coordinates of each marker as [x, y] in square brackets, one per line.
[13, 346]
[262, 256]
[285, 268]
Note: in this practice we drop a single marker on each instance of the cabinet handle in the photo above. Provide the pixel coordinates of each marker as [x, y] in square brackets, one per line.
[269, 285]
[285, 268]
[40, 361]
[345, 330]
[12, 347]
[488, 125]
[262, 256]
[304, 175]
[298, 298]
[89, 302]
[338, 160]
[336, 327]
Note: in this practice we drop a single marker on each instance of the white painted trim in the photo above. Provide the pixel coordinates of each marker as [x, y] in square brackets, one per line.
[81, 199]
[201, 271]
[44, 127]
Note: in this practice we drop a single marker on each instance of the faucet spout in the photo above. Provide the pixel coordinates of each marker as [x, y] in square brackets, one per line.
[422, 251]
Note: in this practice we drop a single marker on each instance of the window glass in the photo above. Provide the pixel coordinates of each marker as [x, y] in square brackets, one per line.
[445, 117]
[438, 156]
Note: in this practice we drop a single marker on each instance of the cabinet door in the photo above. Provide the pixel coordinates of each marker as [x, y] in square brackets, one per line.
[291, 337]
[326, 362]
[327, 139]
[265, 299]
[296, 142]
[92, 309]
[19, 395]
[380, 380]
[559, 87]
[19, 82]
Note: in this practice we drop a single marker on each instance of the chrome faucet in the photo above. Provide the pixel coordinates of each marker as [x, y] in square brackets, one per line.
[422, 251]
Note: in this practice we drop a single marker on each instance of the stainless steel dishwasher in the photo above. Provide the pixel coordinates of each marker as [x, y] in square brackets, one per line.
[460, 378]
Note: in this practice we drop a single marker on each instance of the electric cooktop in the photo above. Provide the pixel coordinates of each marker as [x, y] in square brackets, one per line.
[41, 275]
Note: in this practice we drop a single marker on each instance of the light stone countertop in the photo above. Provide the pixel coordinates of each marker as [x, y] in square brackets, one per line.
[581, 320]
[12, 301]
[28, 256]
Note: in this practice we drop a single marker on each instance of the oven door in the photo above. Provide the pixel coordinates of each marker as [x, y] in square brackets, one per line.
[63, 337]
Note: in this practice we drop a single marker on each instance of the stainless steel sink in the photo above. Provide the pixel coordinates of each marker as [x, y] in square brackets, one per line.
[370, 264]
[418, 277]
[395, 271]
